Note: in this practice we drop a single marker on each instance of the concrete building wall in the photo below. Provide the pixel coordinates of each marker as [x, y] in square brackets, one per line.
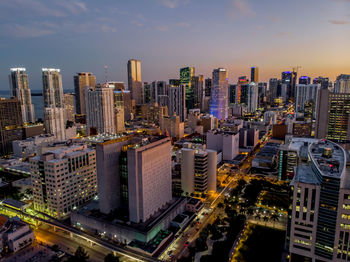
[212, 170]
[187, 170]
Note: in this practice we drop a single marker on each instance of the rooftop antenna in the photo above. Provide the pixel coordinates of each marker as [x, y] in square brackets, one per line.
[106, 74]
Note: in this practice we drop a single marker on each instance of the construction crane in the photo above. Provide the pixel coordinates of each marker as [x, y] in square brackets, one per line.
[296, 69]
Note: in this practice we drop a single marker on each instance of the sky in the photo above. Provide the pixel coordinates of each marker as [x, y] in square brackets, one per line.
[84, 36]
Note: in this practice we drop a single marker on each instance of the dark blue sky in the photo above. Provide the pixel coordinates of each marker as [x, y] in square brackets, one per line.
[167, 34]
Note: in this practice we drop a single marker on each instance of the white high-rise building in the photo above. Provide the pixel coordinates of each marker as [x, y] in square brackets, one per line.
[198, 169]
[100, 116]
[177, 101]
[20, 88]
[342, 84]
[252, 97]
[149, 178]
[63, 179]
[54, 112]
[305, 93]
[54, 122]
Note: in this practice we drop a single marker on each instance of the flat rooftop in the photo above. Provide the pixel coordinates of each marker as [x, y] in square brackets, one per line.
[329, 157]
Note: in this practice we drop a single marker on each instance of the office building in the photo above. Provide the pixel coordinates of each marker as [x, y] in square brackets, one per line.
[81, 81]
[219, 94]
[119, 114]
[254, 74]
[262, 94]
[177, 101]
[223, 141]
[69, 107]
[305, 93]
[100, 117]
[10, 124]
[208, 85]
[198, 169]
[304, 80]
[342, 84]
[232, 94]
[187, 80]
[274, 89]
[31, 145]
[172, 126]
[332, 116]
[135, 80]
[149, 178]
[19, 87]
[54, 112]
[252, 101]
[198, 89]
[63, 179]
[54, 119]
[323, 81]
[288, 85]
[318, 223]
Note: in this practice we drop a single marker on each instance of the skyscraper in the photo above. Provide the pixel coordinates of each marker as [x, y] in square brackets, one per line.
[54, 113]
[305, 93]
[219, 94]
[342, 84]
[186, 79]
[100, 117]
[198, 91]
[332, 116]
[252, 97]
[177, 101]
[82, 80]
[254, 74]
[10, 124]
[69, 107]
[288, 84]
[20, 88]
[304, 80]
[318, 218]
[208, 84]
[135, 81]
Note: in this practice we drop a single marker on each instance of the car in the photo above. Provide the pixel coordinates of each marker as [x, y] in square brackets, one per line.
[186, 244]
[60, 254]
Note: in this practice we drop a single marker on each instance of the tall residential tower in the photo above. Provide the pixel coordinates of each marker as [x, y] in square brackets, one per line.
[135, 80]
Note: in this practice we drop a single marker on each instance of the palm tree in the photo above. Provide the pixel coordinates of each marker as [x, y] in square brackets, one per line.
[266, 218]
[274, 217]
[220, 205]
[257, 216]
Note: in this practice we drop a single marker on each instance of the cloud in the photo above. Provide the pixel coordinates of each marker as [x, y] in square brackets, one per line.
[108, 29]
[338, 22]
[242, 8]
[183, 24]
[73, 7]
[138, 24]
[284, 34]
[27, 31]
[173, 3]
[162, 28]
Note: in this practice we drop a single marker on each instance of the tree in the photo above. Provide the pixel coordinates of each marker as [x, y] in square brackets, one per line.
[257, 216]
[80, 255]
[274, 217]
[111, 258]
[220, 205]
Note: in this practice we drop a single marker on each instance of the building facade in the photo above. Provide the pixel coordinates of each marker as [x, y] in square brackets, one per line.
[19, 87]
[135, 80]
[219, 94]
[81, 81]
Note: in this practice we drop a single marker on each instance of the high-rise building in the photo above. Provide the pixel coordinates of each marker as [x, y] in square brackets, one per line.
[241, 95]
[173, 126]
[318, 228]
[198, 89]
[342, 84]
[252, 97]
[69, 107]
[54, 112]
[119, 114]
[81, 81]
[208, 84]
[254, 74]
[332, 116]
[10, 124]
[223, 141]
[63, 179]
[323, 81]
[100, 110]
[219, 94]
[135, 80]
[262, 93]
[54, 119]
[288, 84]
[19, 87]
[186, 79]
[149, 178]
[304, 80]
[274, 90]
[305, 93]
[177, 101]
[232, 94]
[198, 170]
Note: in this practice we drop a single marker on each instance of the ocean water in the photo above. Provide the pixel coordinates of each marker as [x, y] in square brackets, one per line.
[38, 101]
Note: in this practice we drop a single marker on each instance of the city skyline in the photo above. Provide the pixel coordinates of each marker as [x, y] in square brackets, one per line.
[80, 36]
